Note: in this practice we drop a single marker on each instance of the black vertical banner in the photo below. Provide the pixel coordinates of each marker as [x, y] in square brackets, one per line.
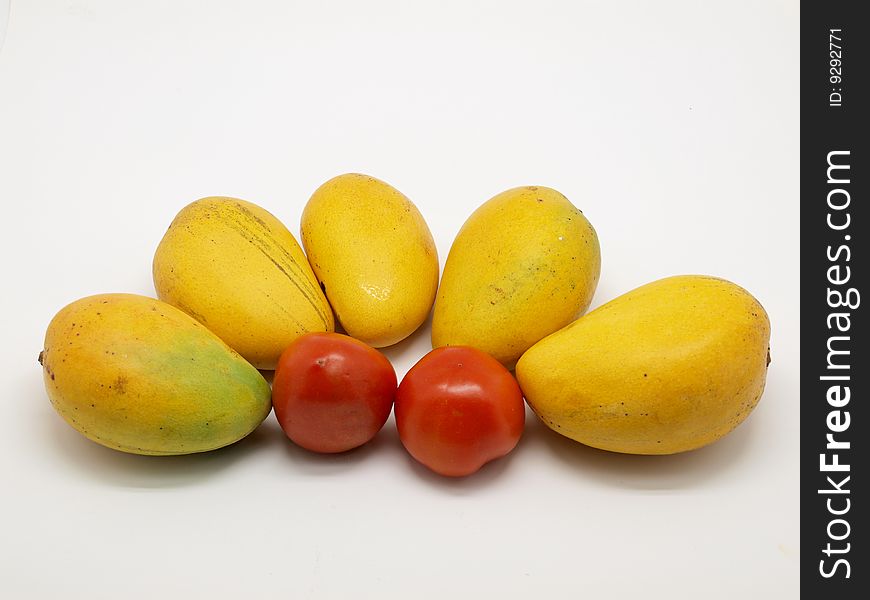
[835, 368]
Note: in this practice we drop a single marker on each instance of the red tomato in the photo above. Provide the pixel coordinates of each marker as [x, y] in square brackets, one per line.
[331, 392]
[457, 409]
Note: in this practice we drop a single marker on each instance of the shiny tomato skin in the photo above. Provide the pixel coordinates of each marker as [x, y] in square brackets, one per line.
[457, 409]
[331, 392]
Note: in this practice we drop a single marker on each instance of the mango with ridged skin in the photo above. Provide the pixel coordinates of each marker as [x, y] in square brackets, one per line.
[525, 264]
[374, 255]
[668, 367]
[138, 375]
[237, 269]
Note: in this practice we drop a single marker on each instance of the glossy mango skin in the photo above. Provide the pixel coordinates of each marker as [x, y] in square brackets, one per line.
[374, 255]
[668, 367]
[237, 269]
[525, 264]
[138, 375]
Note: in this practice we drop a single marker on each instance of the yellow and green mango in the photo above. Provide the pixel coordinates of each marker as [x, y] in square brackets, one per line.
[138, 375]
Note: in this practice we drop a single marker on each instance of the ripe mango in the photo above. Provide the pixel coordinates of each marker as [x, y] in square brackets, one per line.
[670, 366]
[373, 254]
[138, 375]
[525, 264]
[237, 270]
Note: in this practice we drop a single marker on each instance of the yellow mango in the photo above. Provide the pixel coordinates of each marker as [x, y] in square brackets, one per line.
[138, 375]
[670, 366]
[374, 256]
[237, 270]
[524, 264]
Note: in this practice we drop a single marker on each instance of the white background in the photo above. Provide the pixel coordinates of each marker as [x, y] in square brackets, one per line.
[672, 125]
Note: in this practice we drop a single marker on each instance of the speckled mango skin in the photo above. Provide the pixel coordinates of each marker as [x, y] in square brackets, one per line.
[138, 375]
[373, 253]
[237, 269]
[525, 264]
[671, 366]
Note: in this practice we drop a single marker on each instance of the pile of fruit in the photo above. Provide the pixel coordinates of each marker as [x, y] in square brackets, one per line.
[668, 367]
